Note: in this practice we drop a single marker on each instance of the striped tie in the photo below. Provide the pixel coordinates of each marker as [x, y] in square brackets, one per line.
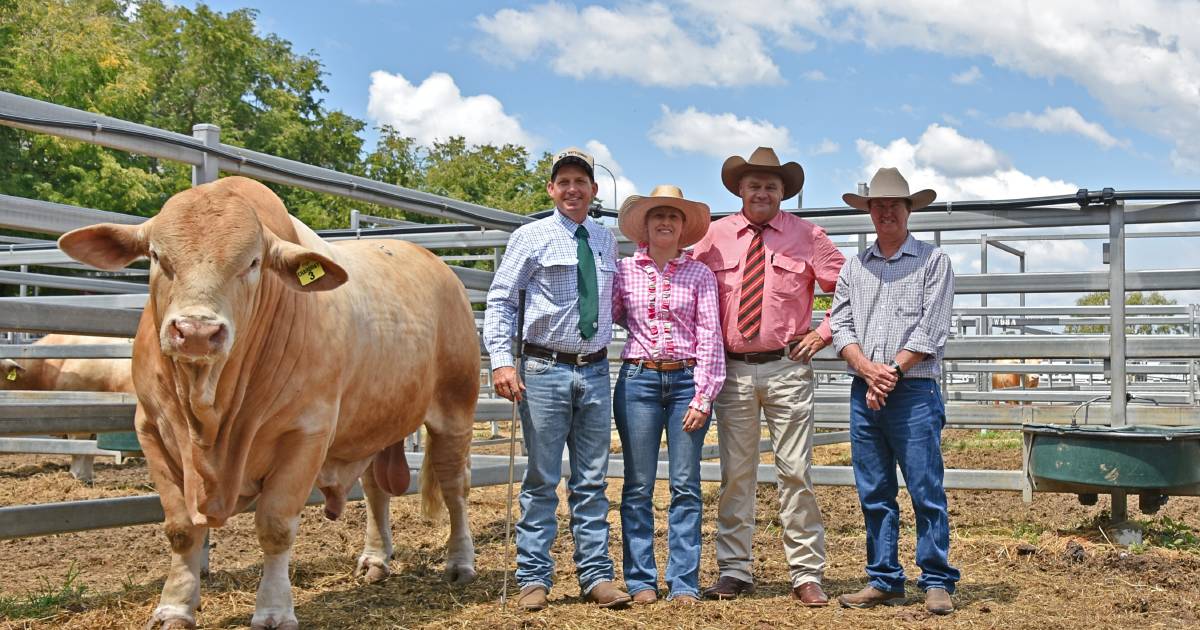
[753, 278]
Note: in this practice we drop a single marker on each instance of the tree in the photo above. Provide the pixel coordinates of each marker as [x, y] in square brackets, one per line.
[1136, 298]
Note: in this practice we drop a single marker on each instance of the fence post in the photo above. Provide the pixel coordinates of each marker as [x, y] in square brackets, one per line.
[207, 170]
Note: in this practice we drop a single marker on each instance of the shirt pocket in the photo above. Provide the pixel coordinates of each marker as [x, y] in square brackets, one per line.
[790, 277]
[558, 275]
[727, 275]
[908, 292]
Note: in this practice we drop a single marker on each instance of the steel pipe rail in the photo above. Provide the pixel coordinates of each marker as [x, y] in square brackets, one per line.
[110, 301]
[34, 115]
[82, 351]
[73, 283]
[62, 318]
[54, 446]
[46, 217]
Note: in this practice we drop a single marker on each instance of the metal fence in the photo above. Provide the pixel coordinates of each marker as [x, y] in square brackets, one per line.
[1103, 362]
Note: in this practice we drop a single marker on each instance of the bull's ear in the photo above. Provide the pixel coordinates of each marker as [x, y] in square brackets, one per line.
[303, 269]
[108, 246]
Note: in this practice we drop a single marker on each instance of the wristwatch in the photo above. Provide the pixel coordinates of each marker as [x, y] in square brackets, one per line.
[896, 368]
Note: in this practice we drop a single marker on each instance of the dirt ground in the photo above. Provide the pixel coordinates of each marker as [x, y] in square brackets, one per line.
[1038, 565]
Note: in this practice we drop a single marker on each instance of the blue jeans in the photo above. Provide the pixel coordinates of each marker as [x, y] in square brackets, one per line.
[565, 405]
[907, 432]
[647, 403]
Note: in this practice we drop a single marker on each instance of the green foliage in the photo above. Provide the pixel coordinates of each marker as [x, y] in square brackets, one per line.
[1171, 534]
[46, 600]
[172, 67]
[1136, 298]
[822, 303]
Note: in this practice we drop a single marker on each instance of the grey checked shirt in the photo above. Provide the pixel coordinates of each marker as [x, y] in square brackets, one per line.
[886, 305]
[542, 258]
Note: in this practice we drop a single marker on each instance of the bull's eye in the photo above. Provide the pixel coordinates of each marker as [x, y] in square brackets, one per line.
[254, 264]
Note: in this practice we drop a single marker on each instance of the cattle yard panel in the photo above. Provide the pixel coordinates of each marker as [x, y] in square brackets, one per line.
[487, 228]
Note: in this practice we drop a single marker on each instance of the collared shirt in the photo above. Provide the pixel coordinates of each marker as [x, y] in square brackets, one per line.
[798, 253]
[886, 305]
[541, 258]
[672, 314]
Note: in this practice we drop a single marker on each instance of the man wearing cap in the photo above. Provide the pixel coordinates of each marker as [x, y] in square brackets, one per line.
[891, 319]
[766, 263]
[565, 263]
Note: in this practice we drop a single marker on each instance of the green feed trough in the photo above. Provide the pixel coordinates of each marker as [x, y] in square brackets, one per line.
[124, 441]
[1099, 459]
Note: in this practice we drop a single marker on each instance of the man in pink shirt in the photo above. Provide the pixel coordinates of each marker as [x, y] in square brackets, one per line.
[766, 263]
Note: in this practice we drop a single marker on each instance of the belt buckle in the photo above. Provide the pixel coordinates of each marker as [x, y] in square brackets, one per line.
[579, 360]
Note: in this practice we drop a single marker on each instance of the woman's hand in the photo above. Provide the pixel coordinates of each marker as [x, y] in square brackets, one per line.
[694, 419]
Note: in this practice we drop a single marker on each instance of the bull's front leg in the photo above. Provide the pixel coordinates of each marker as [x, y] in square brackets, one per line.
[273, 605]
[181, 591]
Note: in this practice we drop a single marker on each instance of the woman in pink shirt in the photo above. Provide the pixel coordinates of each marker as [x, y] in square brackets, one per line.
[674, 366]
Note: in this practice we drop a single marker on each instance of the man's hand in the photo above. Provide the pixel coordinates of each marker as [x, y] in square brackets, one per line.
[506, 383]
[693, 420]
[807, 348]
[874, 401]
[880, 378]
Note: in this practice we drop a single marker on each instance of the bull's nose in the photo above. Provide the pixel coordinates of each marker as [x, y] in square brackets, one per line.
[197, 337]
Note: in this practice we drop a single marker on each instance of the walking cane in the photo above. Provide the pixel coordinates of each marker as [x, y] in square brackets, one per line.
[512, 446]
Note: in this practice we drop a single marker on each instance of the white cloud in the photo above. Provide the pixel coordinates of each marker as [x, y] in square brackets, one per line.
[718, 135]
[1063, 120]
[625, 186]
[437, 110]
[826, 146]
[641, 42]
[967, 77]
[815, 75]
[949, 152]
[957, 167]
[1057, 254]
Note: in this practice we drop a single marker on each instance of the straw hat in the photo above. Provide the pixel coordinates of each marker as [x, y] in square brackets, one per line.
[888, 183]
[763, 160]
[632, 216]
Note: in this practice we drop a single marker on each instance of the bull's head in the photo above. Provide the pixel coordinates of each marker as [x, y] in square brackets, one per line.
[208, 250]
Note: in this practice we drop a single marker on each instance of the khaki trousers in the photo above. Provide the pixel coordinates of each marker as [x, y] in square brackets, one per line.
[783, 392]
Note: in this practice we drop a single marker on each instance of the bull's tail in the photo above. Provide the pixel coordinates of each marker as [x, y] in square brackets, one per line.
[432, 503]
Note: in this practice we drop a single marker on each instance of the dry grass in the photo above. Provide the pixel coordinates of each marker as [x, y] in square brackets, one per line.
[1024, 566]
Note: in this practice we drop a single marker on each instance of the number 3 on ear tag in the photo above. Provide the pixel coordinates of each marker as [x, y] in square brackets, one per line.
[309, 272]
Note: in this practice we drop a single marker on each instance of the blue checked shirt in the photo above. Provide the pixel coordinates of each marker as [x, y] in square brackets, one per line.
[541, 258]
[886, 305]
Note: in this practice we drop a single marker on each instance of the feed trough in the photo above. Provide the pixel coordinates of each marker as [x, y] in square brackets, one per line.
[1096, 459]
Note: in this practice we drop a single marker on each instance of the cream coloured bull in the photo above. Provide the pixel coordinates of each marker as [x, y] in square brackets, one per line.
[268, 361]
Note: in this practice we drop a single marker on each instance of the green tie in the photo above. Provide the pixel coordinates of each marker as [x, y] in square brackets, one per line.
[589, 298]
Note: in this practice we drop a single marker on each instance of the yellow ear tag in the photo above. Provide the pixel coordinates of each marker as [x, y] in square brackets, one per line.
[12, 374]
[309, 272]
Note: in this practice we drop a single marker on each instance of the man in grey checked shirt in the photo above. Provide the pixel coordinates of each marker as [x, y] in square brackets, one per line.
[890, 320]
[566, 263]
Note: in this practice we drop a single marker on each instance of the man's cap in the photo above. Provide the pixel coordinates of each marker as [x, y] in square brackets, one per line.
[576, 156]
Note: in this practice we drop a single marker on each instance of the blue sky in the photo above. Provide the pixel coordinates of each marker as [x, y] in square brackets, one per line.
[977, 100]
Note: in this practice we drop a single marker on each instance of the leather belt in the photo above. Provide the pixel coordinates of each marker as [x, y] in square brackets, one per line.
[663, 366]
[564, 357]
[755, 358]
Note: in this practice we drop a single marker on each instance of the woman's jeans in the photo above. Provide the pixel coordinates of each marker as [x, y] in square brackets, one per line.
[647, 403]
[565, 405]
[907, 432]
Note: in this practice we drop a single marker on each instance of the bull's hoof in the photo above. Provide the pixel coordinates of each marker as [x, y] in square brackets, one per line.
[372, 570]
[170, 619]
[460, 575]
[275, 621]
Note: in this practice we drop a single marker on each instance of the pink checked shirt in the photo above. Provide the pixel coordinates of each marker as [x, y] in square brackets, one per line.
[671, 315]
[799, 254]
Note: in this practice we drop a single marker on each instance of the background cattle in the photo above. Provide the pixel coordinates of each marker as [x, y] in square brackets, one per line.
[268, 361]
[77, 375]
[1004, 380]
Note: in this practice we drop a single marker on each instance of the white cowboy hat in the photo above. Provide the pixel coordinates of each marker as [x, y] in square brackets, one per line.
[632, 216]
[763, 160]
[888, 183]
